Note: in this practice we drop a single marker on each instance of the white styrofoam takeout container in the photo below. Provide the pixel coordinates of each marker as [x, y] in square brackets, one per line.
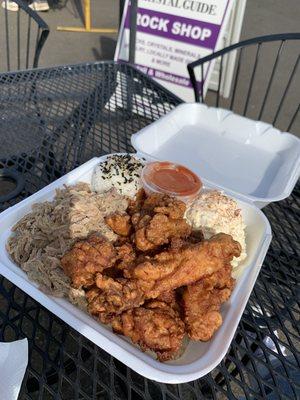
[248, 159]
[198, 358]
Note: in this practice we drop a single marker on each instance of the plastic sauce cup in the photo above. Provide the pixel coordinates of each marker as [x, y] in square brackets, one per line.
[172, 179]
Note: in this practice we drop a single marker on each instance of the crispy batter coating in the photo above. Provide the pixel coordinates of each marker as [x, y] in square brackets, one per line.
[155, 326]
[171, 269]
[158, 280]
[119, 223]
[157, 219]
[114, 296]
[164, 204]
[86, 258]
[177, 243]
[126, 255]
[202, 301]
[165, 271]
[171, 298]
[159, 230]
[167, 297]
[92, 295]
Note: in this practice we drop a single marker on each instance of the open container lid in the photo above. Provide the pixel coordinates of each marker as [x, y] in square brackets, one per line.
[249, 159]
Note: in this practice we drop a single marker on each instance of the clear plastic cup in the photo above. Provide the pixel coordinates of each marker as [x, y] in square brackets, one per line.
[172, 179]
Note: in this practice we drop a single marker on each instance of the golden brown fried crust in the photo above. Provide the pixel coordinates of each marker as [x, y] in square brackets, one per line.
[164, 272]
[159, 231]
[171, 298]
[156, 220]
[134, 284]
[177, 243]
[220, 279]
[126, 255]
[163, 204]
[167, 297]
[202, 301]
[171, 269]
[92, 296]
[119, 223]
[86, 258]
[155, 326]
[116, 295]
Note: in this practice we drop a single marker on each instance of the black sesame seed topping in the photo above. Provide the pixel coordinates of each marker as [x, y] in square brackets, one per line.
[126, 167]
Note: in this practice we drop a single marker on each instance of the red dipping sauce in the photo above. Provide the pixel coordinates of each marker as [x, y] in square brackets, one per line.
[172, 179]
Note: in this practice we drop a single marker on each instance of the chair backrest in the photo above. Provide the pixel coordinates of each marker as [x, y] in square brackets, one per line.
[24, 34]
[265, 80]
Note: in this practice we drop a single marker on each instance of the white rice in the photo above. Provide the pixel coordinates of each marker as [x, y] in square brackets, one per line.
[121, 172]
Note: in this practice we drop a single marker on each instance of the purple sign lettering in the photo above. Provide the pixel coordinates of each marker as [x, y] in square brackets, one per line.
[176, 28]
[165, 76]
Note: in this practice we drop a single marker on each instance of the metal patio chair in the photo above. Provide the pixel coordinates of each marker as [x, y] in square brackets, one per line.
[24, 34]
[30, 31]
[266, 67]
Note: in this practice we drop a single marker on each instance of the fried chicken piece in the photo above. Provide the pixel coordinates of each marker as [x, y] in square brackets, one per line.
[220, 279]
[119, 223]
[202, 302]
[155, 326]
[156, 203]
[159, 230]
[114, 296]
[156, 220]
[125, 256]
[162, 228]
[171, 298]
[164, 204]
[177, 243]
[171, 269]
[86, 258]
[164, 272]
[92, 294]
[167, 297]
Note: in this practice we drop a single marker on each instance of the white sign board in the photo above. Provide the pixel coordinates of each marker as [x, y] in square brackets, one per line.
[171, 34]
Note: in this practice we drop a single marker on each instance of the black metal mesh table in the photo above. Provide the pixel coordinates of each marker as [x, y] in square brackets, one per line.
[53, 120]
